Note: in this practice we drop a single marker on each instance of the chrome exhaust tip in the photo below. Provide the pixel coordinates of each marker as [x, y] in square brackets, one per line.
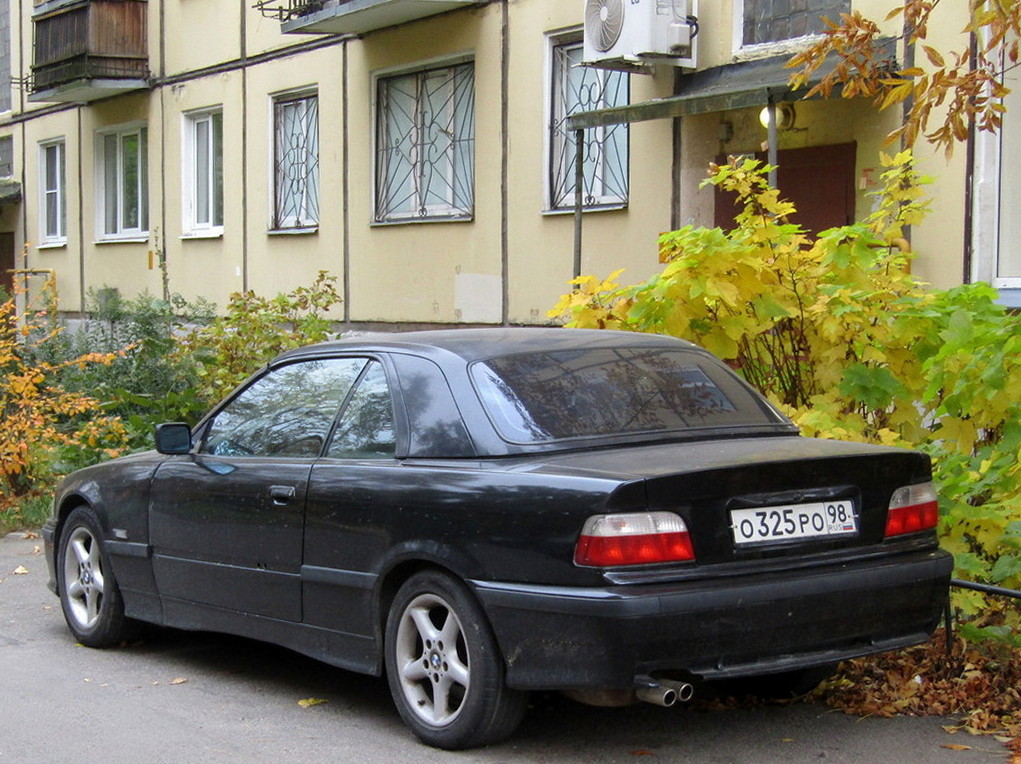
[657, 694]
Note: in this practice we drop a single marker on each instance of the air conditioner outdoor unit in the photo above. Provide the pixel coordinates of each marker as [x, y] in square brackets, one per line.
[627, 34]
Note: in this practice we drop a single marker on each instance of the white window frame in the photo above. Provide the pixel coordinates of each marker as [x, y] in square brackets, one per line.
[557, 144]
[112, 197]
[995, 156]
[202, 172]
[458, 168]
[305, 214]
[53, 188]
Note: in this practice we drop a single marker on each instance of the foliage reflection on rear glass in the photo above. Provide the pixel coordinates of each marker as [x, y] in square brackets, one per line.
[537, 397]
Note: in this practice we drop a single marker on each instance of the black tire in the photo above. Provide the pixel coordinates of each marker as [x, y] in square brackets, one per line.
[444, 668]
[89, 595]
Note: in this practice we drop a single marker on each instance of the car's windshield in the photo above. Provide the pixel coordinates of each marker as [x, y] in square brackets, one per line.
[536, 397]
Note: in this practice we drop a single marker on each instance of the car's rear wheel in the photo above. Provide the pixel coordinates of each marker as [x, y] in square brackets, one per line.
[89, 596]
[444, 667]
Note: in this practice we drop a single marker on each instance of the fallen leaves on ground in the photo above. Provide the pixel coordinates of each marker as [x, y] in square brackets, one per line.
[21, 570]
[309, 702]
[977, 684]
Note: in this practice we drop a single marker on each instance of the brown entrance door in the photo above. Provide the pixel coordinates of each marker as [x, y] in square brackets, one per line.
[819, 181]
[7, 261]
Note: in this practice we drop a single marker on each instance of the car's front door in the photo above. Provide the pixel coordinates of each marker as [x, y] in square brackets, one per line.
[227, 521]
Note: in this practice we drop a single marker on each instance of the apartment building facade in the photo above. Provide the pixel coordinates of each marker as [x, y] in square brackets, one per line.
[421, 150]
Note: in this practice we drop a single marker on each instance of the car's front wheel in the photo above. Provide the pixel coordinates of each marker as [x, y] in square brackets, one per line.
[89, 596]
[444, 667]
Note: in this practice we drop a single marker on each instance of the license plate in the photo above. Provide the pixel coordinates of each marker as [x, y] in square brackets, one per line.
[796, 521]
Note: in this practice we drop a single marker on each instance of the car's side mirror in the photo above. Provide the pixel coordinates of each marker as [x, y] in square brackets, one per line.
[173, 438]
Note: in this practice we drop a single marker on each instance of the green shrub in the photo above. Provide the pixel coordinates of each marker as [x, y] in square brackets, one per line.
[253, 330]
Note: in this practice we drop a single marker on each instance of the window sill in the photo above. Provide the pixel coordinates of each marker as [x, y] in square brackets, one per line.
[53, 244]
[124, 240]
[570, 210]
[304, 231]
[214, 233]
[788, 47]
[418, 221]
[1009, 297]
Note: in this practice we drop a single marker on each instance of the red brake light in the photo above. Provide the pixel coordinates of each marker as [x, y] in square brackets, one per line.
[913, 508]
[638, 538]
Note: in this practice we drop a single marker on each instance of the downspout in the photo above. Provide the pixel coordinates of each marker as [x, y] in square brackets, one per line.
[969, 191]
[81, 217]
[675, 167]
[345, 184]
[244, 146]
[579, 180]
[504, 160]
[771, 141]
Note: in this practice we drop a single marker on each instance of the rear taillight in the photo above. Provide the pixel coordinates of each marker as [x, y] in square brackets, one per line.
[913, 508]
[638, 538]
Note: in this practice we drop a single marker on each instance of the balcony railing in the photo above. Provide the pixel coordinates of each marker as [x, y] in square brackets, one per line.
[352, 16]
[88, 49]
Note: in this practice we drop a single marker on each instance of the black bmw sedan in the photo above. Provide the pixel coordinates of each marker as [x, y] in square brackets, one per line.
[479, 513]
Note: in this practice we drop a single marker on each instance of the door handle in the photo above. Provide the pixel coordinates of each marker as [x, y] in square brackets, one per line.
[281, 494]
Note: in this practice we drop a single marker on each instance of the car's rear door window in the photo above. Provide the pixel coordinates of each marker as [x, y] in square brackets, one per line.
[366, 426]
[536, 397]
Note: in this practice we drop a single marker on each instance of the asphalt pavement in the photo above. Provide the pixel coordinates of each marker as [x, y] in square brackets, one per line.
[196, 697]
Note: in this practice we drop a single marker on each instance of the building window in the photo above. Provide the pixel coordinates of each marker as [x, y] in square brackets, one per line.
[6, 156]
[296, 161]
[124, 182]
[54, 201]
[766, 21]
[203, 172]
[425, 145]
[996, 229]
[577, 88]
[5, 56]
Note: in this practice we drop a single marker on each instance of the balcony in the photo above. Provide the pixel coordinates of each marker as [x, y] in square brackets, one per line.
[352, 16]
[89, 49]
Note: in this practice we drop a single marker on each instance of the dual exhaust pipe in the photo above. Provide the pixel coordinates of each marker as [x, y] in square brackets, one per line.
[662, 692]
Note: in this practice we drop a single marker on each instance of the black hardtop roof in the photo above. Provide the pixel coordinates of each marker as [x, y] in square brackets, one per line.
[480, 343]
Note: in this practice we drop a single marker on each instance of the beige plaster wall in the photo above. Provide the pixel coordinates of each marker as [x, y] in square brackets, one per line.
[279, 262]
[413, 271]
[212, 267]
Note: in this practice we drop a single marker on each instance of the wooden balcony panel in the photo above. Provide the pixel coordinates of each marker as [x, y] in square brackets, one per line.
[90, 40]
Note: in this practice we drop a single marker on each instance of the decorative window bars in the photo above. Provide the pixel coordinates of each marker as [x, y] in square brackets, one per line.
[425, 145]
[577, 88]
[296, 161]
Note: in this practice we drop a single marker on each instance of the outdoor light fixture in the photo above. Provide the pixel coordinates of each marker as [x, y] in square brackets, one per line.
[784, 116]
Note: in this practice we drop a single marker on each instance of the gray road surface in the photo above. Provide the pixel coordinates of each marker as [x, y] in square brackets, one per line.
[183, 697]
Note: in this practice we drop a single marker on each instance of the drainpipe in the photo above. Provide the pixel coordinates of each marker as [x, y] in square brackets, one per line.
[579, 180]
[771, 140]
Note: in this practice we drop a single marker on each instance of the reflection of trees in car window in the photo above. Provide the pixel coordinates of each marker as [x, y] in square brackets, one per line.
[287, 412]
[535, 397]
[366, 429]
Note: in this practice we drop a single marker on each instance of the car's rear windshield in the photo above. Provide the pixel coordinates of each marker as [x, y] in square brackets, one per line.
[540, 397]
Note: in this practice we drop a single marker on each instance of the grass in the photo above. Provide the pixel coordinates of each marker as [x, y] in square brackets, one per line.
[29, 513]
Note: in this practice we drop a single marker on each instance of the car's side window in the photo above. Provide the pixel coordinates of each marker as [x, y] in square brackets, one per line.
[287, 412]
[366, 426]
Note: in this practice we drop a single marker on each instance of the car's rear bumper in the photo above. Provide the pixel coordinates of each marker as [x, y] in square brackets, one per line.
[560, 637]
